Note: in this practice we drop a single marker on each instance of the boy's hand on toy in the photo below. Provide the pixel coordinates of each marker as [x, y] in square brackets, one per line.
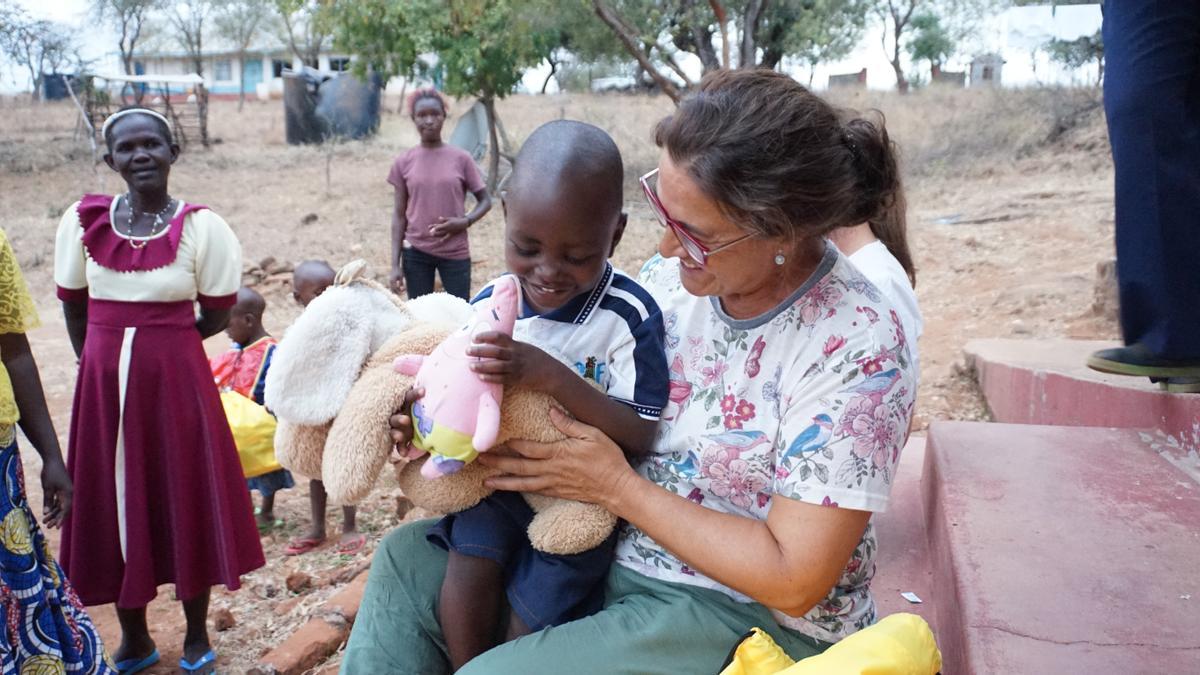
[508, 362]
[56, 493]
[401, 422]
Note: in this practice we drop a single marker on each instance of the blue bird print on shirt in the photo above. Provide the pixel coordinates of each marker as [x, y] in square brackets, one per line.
[877, 385]
[686, 467]
[812, 439]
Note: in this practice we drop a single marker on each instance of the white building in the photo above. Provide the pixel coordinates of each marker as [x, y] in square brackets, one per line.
[264, 64]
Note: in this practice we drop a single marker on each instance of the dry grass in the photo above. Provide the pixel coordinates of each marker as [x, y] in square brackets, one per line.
[1006, 229]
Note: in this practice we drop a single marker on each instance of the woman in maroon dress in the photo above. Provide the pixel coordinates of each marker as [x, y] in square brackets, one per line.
[160, 496]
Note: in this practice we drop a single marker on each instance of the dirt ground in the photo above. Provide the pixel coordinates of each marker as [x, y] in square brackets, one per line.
[1010, 210]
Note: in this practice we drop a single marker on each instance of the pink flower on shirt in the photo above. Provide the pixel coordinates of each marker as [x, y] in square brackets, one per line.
[714, 372]
[874, 431]
[737, 481]
[728, 402]
[834, 343]
[818, 302]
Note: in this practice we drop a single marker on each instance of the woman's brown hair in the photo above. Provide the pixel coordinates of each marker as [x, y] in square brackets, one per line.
[782, 161]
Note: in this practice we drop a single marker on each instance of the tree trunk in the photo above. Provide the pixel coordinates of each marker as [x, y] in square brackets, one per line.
[630, 41]
[493, 173]
[553, 69]
[241, 80]
[202, 109]
[901, 81]
[723, 25]
[749, 51]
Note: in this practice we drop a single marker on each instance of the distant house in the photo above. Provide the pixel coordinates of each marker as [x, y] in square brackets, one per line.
[986, 70]
[858, 80]
[264, 64]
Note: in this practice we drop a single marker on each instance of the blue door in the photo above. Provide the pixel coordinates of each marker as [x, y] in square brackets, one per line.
[253, 75]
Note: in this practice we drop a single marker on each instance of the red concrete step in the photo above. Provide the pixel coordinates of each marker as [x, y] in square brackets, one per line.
[1061, 550]
[1047, 382]
[903, 563]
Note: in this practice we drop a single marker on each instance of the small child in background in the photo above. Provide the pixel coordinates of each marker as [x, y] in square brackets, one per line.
[309, 280]
[243, 369]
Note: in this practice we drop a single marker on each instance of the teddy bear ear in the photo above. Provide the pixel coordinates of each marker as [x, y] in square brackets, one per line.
[320, 356]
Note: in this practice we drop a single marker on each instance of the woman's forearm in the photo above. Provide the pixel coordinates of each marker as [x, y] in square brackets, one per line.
[212, 321]
[483, 204]
[30, 397]
[76, 316]
[787, 563]
[399, 229]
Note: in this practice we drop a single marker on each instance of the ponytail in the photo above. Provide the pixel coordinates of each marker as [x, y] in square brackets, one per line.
[881, 201]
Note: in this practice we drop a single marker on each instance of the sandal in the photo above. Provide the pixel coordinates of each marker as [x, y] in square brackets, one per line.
[191, 667]
[302, 545]
[353, 546]
[266, 528]
[131, 666]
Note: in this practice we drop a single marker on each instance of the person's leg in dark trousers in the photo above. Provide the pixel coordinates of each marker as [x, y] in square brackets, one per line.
[456, 277]
[419, 269]
[1152, 101]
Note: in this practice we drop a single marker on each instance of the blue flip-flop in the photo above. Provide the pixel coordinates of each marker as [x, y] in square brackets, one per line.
[131, 666]
[193, 666]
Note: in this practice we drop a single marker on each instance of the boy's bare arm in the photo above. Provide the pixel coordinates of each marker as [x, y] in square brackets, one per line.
[510, 362]
[586, 403]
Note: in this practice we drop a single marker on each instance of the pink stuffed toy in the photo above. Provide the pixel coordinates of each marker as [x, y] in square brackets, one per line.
[459, 416]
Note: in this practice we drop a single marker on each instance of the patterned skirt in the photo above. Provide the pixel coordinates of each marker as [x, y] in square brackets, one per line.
[45, 628]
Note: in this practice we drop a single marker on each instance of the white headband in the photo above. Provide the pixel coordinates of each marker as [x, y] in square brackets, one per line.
[108, 122]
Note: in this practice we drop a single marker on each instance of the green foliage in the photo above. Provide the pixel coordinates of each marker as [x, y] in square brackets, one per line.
[482, 46]
[825, 30]
[930, 41]
[305, 26]
[1078, 52]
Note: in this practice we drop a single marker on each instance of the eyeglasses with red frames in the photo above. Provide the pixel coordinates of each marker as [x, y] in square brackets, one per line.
[695, 250]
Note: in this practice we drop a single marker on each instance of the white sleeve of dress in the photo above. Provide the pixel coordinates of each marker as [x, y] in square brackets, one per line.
[218, 261]
[70, 261]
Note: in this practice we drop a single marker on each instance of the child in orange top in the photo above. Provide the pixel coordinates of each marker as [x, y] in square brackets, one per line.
[244, 369]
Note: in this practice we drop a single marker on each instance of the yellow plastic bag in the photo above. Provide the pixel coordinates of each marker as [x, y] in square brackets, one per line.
[254, 433]
[900, 644]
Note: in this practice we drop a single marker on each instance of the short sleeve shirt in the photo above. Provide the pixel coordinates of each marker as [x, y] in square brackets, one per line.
[207, 266]
[810, 401]
[17, 315]
[437, 181]
[611, 335]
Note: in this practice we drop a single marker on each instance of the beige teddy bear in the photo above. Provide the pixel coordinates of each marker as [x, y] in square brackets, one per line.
[332, 387]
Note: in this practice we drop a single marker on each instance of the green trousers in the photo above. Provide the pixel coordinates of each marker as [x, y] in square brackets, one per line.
[646, 626]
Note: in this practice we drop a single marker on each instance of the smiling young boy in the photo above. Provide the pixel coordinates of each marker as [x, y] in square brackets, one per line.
[587, 335]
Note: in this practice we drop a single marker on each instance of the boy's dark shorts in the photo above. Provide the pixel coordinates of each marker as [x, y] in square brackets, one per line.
[543, 589]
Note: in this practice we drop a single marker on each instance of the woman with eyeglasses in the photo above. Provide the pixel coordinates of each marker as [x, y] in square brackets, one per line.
[790, 398]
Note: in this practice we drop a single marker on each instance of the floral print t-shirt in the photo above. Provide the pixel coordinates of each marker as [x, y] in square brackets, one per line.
[810, 401]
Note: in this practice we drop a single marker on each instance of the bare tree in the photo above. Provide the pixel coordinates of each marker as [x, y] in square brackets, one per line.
[306, 26]
[959, 17]
[636, 48]
[128, 18]
[188, 17]
[897, 16]
[241, 21]
[35, 44]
